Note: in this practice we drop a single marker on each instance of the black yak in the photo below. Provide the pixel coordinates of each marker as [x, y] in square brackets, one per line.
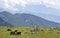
[8, 29]
[12, 33]
[18, 33]
[15, 33]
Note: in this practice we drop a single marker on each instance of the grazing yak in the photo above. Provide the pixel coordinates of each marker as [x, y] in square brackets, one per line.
[8, 29]
[15, 33]
[12, 33]
[18, 33]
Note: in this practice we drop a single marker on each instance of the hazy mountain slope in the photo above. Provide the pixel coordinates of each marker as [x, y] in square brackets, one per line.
[6, 16]
[28, 20]
[3, 23]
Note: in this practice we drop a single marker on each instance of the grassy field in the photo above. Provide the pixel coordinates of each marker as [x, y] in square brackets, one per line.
[41, 33]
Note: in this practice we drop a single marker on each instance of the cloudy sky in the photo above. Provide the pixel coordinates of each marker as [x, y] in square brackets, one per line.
[37, 7]
[10, 4]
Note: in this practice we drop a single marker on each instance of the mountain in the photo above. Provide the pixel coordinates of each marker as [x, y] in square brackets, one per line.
[51, 17]
[32, 20]
[27, 20]
[3, 23]
[6, 16]
[37, 10]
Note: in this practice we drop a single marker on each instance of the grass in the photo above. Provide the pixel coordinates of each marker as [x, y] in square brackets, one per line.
[46, 33]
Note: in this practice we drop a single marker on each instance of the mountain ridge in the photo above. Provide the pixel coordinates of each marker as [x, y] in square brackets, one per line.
[29, 20]
[4, 23]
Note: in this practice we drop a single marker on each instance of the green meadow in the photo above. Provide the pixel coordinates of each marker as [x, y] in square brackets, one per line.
[42, 32]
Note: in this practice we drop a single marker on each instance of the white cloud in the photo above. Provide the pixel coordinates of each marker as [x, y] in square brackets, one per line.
[19, 2]
[49, 3]
[6, 4]
[23, 3]
[52, 3]
[10, 4]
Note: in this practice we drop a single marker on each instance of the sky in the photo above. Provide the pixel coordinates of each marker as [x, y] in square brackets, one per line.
[10, 4]
[36, 7]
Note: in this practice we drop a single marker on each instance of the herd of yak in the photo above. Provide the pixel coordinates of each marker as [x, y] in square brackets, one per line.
[16, 32]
